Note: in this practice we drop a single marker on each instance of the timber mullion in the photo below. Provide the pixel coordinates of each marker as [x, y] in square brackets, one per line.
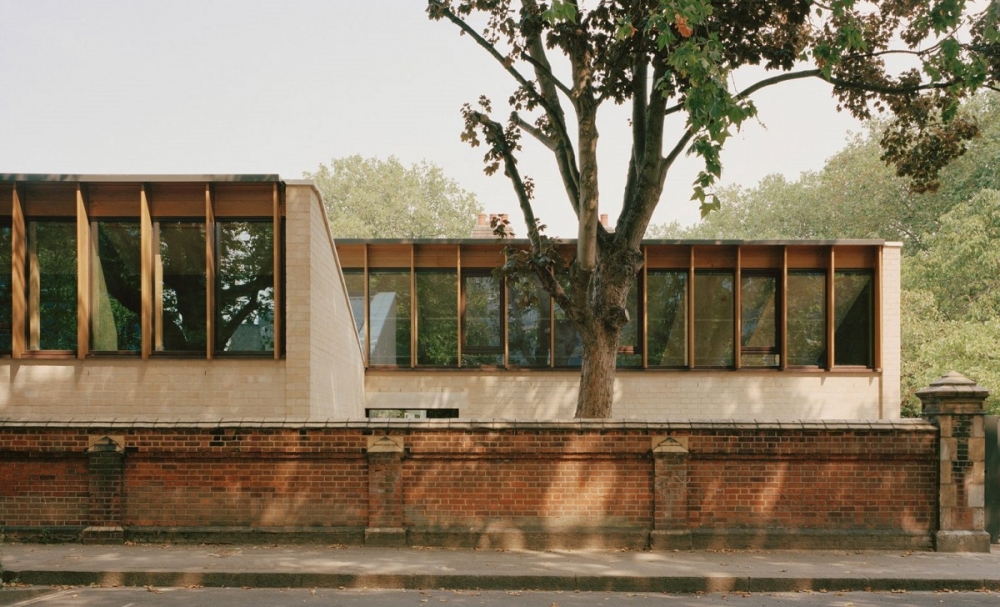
[460, 303]
[830, 312]
[367, 312]
[146, 271]
[18, 239]
[644, 313]
[738, 309]
[34, 286]
[877, 329]
[83, 286]
[278, 270]
[210, 254]
[414, 329]
[690, 314]
[783, 321]
[504, 314]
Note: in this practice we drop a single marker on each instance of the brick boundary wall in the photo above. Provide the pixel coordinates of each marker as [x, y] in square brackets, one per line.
[611, 484]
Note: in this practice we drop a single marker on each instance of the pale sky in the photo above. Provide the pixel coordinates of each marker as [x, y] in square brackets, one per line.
[280, 86]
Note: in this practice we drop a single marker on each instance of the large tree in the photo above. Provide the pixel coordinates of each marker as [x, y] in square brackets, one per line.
[374, 198]
[676, 58]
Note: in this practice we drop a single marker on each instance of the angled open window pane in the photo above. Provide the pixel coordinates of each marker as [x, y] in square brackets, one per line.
[482, 320]
[244, 300]
[180, 297]
[714, 319]
[666, 299]
[759, 311]
[52, 295]
[806, 318]
[389, 314]
[853, 315]
[116, 287]
[355, 282]
[437, 318]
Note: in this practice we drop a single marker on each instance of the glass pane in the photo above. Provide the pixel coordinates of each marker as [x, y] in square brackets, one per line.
[629, 350]
[807, 318]
[569, 346]
[437, 318]
[853, 319]
[666, 298]
[355, 282]
[116, 300]
[528, 324]
[389, 315]
[482, 323]
[6, 293]
[180, 297]
[244, 319]
[52, 285]
[714, 319]
[759, 330]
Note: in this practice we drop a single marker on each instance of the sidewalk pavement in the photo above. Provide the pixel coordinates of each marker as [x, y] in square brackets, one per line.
[417, 568]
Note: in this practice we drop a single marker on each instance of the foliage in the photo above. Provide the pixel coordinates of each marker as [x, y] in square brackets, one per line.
[677, 58]
[951, 263]
[373, 198]
[855, 195]
[951, 305]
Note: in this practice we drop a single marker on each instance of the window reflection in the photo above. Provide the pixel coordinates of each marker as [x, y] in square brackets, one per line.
[244, 301]
[806, 318]
[714, 319]
[482, 320]
[52, 296]
[180, 299]
[630, 342]
[437, 318]
[116, 288]
[389, 315]
[529, 323]
[666, 298]
[853, 314]
[759, 322]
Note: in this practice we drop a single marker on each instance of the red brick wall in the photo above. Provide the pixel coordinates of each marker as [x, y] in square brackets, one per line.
[478, 478]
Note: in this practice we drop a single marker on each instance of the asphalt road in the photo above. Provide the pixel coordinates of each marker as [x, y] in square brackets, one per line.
[238, 597]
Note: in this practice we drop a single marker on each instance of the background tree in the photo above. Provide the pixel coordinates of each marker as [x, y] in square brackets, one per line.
[676, 57]
[373, 198]
[951, 254]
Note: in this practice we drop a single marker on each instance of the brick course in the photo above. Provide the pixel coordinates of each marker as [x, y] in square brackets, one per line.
[467, 480]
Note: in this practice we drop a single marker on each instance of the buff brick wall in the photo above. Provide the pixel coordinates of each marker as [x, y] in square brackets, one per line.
[638, 395]
[488, 483]
[654, 394]
[325, 363]
[891, 339]
[322, 375]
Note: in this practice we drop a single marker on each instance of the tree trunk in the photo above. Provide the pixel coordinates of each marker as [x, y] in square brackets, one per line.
[597, 377]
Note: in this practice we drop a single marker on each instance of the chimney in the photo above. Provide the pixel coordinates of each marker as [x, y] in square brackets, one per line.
[604, 222]
[482, 228]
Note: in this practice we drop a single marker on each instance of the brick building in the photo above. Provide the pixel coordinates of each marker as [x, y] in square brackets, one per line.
[225, 297]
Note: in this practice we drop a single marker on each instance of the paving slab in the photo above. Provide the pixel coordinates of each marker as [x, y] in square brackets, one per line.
[420, 568]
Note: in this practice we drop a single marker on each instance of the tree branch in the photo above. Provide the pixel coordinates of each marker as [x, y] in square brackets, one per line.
[535, 132]
[549, 101]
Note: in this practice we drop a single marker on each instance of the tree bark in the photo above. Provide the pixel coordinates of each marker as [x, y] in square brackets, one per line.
[599, 313]
[597, 376]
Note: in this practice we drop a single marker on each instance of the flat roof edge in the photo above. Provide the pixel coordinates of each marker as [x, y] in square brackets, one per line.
[655, 241]
[167, 178]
